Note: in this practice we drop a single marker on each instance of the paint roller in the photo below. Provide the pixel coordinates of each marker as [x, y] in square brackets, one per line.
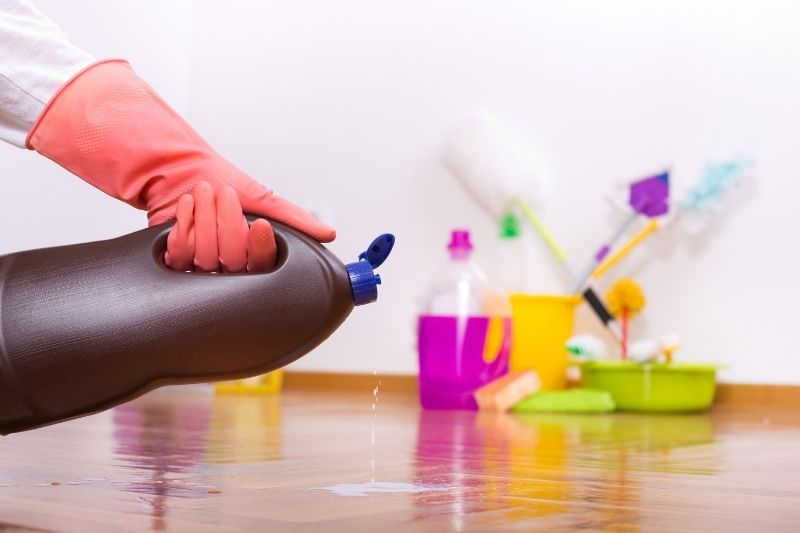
[500, 175]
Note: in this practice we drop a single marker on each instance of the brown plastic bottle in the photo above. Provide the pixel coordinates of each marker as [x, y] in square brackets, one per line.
[86, 327]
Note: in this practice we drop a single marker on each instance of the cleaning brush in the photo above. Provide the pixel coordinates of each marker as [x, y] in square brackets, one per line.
[708, 195]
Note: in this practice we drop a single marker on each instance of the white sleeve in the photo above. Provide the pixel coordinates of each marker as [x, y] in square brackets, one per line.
[36, 58]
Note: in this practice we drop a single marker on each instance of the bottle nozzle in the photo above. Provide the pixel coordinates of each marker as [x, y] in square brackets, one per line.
[363, 279]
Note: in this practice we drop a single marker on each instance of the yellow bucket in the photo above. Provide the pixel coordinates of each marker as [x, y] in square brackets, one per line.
[542, 323]
[270, 383]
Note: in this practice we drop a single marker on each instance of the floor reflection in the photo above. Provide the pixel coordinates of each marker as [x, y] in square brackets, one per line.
[245, 429]
[163, 435]
[526, 466]
[162, 440]
[192, 461]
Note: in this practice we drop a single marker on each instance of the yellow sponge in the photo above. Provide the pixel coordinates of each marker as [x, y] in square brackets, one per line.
[504, 393]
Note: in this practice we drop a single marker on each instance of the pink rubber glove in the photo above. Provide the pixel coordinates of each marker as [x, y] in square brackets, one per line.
[111, 129]
[212, 234]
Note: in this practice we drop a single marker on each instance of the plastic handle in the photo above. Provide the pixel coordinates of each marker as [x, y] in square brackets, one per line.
[500, 363]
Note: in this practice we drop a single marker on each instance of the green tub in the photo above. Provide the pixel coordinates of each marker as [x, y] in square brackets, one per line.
[653, 387]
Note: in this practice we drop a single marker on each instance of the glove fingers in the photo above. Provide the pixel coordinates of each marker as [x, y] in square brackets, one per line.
[275, 207]
[206, 255]
[262, 250]
[232, 231]
[181, 241]
[211, 231]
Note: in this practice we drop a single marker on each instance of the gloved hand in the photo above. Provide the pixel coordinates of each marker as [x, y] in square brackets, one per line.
[111, 129]
[212, 234]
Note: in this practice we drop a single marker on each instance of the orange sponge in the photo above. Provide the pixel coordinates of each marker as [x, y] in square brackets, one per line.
[504, 393]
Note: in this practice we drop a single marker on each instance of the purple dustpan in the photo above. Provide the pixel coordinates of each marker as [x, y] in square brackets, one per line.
[650, 196]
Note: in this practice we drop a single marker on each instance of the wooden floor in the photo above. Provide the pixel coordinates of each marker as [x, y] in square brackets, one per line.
[181, 461]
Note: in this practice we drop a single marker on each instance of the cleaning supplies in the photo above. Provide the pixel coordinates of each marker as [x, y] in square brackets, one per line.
[269, 383]
[653, 387]
[542, 323]
[647, 197]
[503, 393]
[625, 249]
[643, 351]
[567, 401]
[625, 299]
[705, 198]
[670, 344]
[89, 326]
[464, 333]
[708, 195]
[492, 165]
[649, 350]
[461, 287]
[500, 174]
[511, 251]
[587, 347]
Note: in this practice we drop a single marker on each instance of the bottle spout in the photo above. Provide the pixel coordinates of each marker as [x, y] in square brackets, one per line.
[363, 279]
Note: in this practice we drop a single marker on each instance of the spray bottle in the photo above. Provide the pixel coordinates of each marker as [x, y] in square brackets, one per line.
[89, 326]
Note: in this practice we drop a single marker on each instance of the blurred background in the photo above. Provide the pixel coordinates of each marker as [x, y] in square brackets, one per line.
[343, 107]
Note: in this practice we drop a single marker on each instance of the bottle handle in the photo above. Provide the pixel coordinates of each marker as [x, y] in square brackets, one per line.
[497, 348]
[157, 236]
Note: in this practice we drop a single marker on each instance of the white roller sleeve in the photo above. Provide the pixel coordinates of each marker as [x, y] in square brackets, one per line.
[36, 58]
[491, 164]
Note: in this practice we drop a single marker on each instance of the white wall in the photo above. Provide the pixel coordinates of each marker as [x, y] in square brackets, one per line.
[342, 107]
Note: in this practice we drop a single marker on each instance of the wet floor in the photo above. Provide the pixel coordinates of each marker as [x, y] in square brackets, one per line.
[179, 461]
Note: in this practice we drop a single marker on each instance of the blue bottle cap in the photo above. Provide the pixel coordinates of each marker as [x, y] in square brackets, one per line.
[378, 250]
[363, 279]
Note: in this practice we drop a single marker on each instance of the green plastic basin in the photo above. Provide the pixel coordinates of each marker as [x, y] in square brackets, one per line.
[653, 387]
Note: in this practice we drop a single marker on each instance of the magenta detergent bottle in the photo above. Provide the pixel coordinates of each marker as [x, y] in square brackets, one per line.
[464, 333]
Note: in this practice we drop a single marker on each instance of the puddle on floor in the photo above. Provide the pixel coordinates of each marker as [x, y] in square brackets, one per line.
[374, 487]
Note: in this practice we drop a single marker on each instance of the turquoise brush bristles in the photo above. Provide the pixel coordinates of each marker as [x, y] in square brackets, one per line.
[714, 184]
